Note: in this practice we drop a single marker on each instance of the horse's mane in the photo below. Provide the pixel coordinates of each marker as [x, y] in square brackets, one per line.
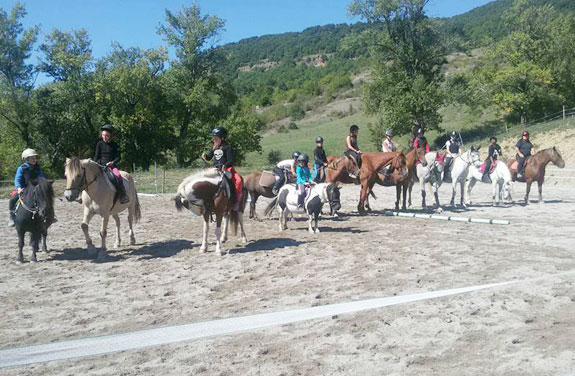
[201, 175]
[73, 167]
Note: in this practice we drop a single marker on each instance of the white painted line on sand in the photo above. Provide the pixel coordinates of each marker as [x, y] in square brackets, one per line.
[106, 344]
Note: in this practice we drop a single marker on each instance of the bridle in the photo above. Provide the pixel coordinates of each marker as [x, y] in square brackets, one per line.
[83, 182]
[35, 210]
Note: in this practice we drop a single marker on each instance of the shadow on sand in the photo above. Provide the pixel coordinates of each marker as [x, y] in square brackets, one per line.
[162, 249]
[271, 244]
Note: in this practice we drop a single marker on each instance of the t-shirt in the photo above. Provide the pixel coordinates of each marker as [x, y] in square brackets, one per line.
[222, 155]
[107, 152]
[285, 165]
[319, 156]
[387, 145]
[303, 175]
[524, 147]
[494, 151]
[452, 147]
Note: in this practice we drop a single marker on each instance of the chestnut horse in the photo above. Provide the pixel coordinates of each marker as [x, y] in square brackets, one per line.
[535, 169]
[401, 184]
[372, 165]
[204, 193]
[340, 168]
[255, 190]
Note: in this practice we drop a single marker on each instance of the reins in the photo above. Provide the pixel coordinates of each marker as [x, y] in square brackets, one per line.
[82, 188]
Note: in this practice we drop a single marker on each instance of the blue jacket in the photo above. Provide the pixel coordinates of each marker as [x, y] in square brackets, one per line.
[303, 175]
[25, 173]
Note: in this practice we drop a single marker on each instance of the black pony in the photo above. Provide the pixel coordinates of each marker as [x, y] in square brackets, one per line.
[34, 214]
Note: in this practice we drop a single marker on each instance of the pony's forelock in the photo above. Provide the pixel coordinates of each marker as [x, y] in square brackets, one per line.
[73, 167]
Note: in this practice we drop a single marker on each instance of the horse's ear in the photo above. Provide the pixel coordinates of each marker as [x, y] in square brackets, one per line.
[479, 147]
[51, 182]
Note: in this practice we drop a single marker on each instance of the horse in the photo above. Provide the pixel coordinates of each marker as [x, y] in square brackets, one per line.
[34, 214]
[339, 169]
[255, 190]
[535, 169]
[287, 202]
[401, 184]
[372, 165]
[206, 193]
[500, 180]
[99, 196]
[431, 173]
[459, 171]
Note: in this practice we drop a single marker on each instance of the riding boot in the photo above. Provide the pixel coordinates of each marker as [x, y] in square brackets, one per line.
[124, 199]
[12, 218]
[485, 177]
[447, 176]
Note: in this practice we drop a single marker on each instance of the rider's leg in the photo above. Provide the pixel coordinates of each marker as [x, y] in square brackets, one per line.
[301, 195]
[11, 207]
[447, 171]
[485, 177]
[238, 186]
[520, 165]
[280, 180]
[120, 186]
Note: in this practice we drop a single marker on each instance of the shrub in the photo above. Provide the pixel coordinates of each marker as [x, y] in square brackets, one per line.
[274, 156]
[292, 126]
[282, 129]
[296, 111]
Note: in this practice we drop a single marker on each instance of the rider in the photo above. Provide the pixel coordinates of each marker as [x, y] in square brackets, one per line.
[303, 178]
[320, 161]
[523, 148]
[221, 152]
[284, 169]
[420, 141]
[351, 144]
[108, 155]
[453, 151]
[387, 145]
[30, 170]
[494, 153]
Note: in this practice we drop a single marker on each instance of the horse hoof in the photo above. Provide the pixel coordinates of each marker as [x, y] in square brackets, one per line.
[33, 259]
[439, 210]
[317, 231]
[203, 249]
[133, 241]
[311, 231]
[45, 250]
[117, 245]
[244, 240]
[101, 255]
[92, 251]
[224, 240]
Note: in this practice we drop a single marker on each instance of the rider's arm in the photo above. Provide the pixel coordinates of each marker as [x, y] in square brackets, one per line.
[116, 151]
[229, 157]
[98, 153]
[519, 152]
[349, 145]
[19, 178]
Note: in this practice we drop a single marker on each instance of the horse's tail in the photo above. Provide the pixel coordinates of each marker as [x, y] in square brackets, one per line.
[234, 220]
[137, 207]
[271, 206]
[178, 202]
[372, 194]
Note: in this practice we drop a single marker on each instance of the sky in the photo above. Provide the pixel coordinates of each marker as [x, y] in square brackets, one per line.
[134, 22]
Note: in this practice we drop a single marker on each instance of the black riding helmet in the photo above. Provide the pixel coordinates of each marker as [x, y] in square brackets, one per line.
[108, 127]
[353, 128]
[220, 132]
[319, 139]
[303, 158]
[453, 134]
[295, 154]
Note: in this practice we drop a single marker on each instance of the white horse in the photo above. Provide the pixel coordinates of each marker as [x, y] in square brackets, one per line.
[98, 197]
[500, 180]
[287, 202]
[460, 170]
[431, 173]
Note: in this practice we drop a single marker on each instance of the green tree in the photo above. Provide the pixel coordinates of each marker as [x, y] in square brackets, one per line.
[407, 56]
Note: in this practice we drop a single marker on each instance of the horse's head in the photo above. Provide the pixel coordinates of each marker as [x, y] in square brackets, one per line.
[420, 156]
[333, 196]
[399, 164]
[507, 191]
[44, 191]
[181, 202]
[474, 157]
[556, 158]
[75, 178]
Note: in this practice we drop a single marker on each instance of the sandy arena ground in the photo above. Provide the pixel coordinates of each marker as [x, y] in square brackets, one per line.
[526, 329]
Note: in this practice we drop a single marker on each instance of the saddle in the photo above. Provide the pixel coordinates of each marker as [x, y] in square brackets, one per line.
[515, 164]
[493, 165]
[267, 179]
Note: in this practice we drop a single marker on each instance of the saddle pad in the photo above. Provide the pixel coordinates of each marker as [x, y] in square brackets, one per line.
[493, 165]
[267, 179]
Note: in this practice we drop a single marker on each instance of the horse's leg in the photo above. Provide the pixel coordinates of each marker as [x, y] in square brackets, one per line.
[462, 193]
[404, 188]
[310, 223]
[283, 220]
[397, 196]
[103, 235]
[316, 220]
[88, 215]
[44, 236]
[204, 246]
[494, 185]
[131, 210]
[436, 195]
[527, 190]
[118, 236]
[253, 199]
[241, 222]
[453, 192]
[470, 185]
[226, 223]
[219, 219]
[410, 188]
[21, 235]
[422, 187]
[35, 242]
[540, 187]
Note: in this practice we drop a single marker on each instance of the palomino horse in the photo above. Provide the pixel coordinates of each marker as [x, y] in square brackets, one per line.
[500, 180]
[99, 197]
[459, 171]
[396, 179]
[431, 173]
[372, 164]
[535, 169]
[255, 190]
[34, 214]
[287, 202]
[205, 193]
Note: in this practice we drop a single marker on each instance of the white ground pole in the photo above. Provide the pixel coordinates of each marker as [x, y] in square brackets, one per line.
[448, 218]
[105, 344]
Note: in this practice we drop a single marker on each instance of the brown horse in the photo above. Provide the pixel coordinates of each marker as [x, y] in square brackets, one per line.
[401, 182]
[339, 169]
[372, 165]
[204, 194]
[535, 169]
[255, 190]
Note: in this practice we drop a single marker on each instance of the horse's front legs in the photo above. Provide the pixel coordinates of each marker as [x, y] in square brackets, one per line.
[35, 242]
[527, 190]
[453, 193]
[118, 235]
[423, 193]
[540, 187]
[219, 234]
[44, 245]
[103, 235]
[310, 223]
[204, 246]
[436, 195]
[88, 215]
[21, 235]
[462, 198]
[470, 186]
[226, 222]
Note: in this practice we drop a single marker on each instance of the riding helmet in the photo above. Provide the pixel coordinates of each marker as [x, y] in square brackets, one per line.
[220, 132]
[303, 158]
[319, 139]
[29, 153]
[453, 134]
[295, 154]
[389, 132]
[353, 128]
[526, 133]
[420, 131]
[108, 127]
